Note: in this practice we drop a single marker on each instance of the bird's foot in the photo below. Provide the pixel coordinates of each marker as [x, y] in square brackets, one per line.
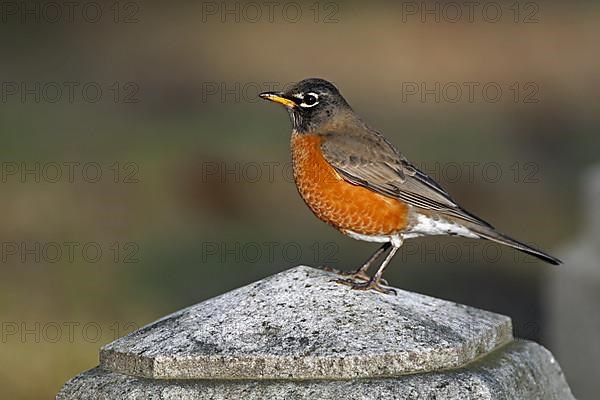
[356, 275]
[351, 276]
[368, 284]
[359, 275]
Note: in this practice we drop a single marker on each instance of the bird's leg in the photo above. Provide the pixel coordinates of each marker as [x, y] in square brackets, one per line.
[361, 273]
[375, 282]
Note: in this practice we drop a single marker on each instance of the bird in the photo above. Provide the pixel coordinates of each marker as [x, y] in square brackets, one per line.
[353, 178]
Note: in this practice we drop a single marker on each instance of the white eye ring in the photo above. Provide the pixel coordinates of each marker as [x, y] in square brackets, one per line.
[305, 105]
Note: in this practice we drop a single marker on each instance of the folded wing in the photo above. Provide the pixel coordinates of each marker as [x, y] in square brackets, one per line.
[371, 161]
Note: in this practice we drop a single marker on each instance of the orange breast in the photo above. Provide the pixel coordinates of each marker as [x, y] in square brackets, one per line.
[338, 202]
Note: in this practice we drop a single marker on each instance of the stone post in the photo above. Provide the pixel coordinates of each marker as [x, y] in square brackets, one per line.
[298, 335]
[572, 297]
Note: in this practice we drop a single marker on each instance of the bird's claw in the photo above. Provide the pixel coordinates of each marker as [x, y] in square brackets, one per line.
[330, 269]
[369, 284]
[359, 275]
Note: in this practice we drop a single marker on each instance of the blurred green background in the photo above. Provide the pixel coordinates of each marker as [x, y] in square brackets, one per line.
[195, 196]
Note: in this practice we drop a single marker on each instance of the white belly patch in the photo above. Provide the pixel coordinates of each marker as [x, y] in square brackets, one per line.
[428, 226]
[369, 238]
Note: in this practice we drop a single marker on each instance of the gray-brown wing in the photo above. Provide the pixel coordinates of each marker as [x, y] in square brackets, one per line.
[371, 161]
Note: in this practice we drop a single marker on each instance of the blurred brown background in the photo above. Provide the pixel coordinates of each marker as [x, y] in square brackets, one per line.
[195, 197]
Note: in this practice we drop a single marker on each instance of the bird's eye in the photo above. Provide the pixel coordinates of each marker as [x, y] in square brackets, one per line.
[309, 100]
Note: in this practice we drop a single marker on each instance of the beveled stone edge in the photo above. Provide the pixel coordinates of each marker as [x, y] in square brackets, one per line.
[304, 368]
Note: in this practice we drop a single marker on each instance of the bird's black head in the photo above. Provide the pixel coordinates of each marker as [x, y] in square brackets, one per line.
[310, 103]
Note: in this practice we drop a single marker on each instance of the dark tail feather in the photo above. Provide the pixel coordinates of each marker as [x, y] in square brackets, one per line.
[491, 234]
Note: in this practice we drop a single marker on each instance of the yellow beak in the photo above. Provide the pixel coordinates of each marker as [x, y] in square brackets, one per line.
[277, 97]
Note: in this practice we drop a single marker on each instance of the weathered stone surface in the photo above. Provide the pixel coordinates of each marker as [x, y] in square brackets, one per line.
[300, 325]
[519, 370]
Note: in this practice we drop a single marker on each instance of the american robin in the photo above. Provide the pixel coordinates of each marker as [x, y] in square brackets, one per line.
[354, 179]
